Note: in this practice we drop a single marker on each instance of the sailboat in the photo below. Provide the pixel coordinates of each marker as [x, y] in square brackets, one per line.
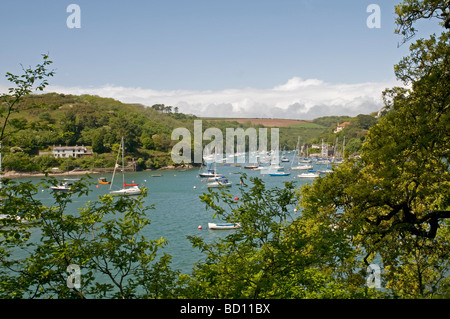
[218, 180]
[300, 166]
[284, 157]
[221, 181]
[210, 173]
[128, 189]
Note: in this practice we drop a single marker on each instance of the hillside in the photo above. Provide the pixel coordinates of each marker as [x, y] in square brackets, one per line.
[256, 121]
[47, 120]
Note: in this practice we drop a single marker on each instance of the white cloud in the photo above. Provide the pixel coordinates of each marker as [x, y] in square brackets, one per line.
[297, 98]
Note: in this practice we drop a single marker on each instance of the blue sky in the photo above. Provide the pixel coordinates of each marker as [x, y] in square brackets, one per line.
[210, 56]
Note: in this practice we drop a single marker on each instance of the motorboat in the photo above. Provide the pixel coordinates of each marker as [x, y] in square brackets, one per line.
[279, 173]
[218, 182]
[302, 167]
[223, 225]
[63, 187]
[309, 174]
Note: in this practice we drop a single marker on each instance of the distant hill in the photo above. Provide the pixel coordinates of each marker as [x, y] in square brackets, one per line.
[258, 121]
[45, 120]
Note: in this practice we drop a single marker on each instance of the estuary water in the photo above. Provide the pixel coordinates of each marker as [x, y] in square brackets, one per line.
[178, 210]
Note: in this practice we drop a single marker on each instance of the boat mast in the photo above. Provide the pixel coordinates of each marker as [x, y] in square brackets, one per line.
[115, 167]
[123, 162]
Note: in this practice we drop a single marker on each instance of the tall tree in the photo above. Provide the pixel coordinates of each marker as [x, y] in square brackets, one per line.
[395, 201]
[31, 78]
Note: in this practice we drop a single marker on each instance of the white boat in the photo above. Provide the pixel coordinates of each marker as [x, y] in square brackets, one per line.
[309, 174]
[218, 182]
[210, 173]
[284, 159]
[279, 173]
[302, 167]
[133, 188]
[223, 225]
[16, 218]
[63, 187]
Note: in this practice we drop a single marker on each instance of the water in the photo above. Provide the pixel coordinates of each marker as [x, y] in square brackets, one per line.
[178, 210]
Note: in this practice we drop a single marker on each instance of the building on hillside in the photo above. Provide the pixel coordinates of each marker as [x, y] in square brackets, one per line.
[340, 127]
[70, 151]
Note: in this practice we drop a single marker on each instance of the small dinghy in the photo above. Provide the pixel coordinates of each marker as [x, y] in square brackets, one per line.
[223, 226]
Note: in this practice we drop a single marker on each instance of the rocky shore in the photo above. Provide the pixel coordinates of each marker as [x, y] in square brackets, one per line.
[75, 172]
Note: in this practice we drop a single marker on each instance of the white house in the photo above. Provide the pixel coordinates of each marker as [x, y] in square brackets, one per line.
[70, 151]
[340, 127]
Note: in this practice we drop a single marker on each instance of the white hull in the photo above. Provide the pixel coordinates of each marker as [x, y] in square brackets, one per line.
[309, 175]
[302, 167]
[219, 184]
[223, 226]
[127, 191]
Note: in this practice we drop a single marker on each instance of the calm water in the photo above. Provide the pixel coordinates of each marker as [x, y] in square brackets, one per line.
[178, 210]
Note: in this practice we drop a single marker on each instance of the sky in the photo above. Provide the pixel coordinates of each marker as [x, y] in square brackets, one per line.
[298, 59]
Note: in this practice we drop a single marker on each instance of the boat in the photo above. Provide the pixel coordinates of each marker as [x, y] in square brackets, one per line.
[309, 174]
[223, 225]
[133, 188]
[63, 187]
[284, 157]
[302, 167]
[327, 170]
[210, 173]
[103, 181]
[278, 173]
[12, 218]
[220, 181]
[251, 166]
[323, 161]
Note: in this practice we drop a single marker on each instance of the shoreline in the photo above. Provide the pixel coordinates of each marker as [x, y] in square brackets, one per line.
[76, 172]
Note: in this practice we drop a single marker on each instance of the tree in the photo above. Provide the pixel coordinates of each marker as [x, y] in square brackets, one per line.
[71, 130]
[353, 146]
[103, 239]
[274, 254]
[98, 145]
[395, 201]
[409, 11]
[24, 86]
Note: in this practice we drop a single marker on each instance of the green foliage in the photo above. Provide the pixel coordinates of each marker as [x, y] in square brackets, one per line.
[274, 254]
[23, 86]
[394, 202]
[102, 238]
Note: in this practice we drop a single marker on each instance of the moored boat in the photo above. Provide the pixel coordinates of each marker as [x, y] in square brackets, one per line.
[218, 182]
[223, 225]
[133, 188]
[103, 181]
[309, 174]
